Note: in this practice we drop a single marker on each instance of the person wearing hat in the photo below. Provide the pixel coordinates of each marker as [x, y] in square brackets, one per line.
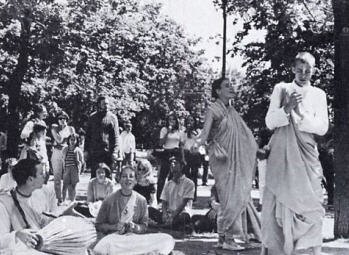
[177, 198]
[127, 144]
[60, 132]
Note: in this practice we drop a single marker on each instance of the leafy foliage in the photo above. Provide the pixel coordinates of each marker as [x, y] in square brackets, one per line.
[290, 27]
[77, 50]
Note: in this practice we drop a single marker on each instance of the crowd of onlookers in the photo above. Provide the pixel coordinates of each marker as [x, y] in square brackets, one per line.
[103, 148]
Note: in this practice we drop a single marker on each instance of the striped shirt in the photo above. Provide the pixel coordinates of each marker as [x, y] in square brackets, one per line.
[70, 159]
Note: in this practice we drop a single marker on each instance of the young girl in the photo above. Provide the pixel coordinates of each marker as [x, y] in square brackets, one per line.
[73, 161]
[145, 181]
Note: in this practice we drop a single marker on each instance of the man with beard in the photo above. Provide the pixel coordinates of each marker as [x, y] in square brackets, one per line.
[102, 136]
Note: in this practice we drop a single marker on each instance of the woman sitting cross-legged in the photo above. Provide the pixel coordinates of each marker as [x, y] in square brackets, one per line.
[98, 189]
[123, 217]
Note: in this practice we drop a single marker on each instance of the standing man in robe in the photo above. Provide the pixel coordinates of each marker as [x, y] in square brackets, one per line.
[292, 212]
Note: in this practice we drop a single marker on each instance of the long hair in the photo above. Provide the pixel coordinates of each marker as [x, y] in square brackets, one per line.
[176, 126]
[190, 129]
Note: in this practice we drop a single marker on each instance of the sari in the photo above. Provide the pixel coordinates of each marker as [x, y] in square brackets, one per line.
[232, 151]
[292, 210]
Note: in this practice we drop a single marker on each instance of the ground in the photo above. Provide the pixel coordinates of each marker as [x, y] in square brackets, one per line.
[200, 244]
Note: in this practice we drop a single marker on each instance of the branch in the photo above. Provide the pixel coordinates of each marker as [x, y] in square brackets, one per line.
[306, 7]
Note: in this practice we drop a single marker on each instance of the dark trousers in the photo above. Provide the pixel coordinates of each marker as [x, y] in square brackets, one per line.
[127, 159]
[192, 168]
[164, 170]
[205, 167]
[180, 222]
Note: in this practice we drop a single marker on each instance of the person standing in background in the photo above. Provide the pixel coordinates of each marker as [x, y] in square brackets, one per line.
[170, 141]
[39, 116]
[102, 137]
[60, 134]
[127, 144]
[190, 154]
[73, 161]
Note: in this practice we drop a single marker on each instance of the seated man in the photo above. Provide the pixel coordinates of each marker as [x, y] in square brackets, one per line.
[177, 197]
[19, 221]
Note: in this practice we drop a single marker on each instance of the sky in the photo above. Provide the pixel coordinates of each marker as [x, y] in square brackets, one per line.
[201, 18]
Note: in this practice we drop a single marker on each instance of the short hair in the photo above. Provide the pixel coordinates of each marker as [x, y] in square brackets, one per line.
[101, 98]
[133, 169]
[37, 109]
[105, 167]
[177, 160]
[62, 114]
[127, 124]
[217, 85]
[24, 169]
[305, 57]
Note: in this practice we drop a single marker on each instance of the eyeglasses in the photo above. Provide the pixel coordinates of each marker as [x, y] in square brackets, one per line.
[61, 118]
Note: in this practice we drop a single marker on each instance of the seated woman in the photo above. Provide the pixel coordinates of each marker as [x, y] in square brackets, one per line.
[98, 189]
[101, 186]
[125, 212]
[145, 181]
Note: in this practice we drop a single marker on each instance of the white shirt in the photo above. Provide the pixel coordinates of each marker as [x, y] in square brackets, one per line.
[174, 193]
[44, 199]
[41, 200]
[313, 108]
[127, 142]
[173, 138]
[188, 143]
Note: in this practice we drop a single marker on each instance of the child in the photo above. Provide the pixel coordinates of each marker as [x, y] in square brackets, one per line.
[146, 181]
[73, 161]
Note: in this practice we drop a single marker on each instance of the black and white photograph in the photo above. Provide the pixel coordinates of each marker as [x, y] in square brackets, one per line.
[174, 127]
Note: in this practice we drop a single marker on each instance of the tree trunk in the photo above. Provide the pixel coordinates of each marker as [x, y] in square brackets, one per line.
[14, 89]
[341, 110]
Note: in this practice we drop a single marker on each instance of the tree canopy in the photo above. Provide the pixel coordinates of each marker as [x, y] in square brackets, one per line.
[75, 50]
[290, 27]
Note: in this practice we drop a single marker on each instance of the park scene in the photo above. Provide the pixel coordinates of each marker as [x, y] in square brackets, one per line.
[174, 127]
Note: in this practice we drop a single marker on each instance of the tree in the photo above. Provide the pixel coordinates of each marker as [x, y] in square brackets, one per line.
[341, 104]
[75, 50]
[19, 22]
[289, 27]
